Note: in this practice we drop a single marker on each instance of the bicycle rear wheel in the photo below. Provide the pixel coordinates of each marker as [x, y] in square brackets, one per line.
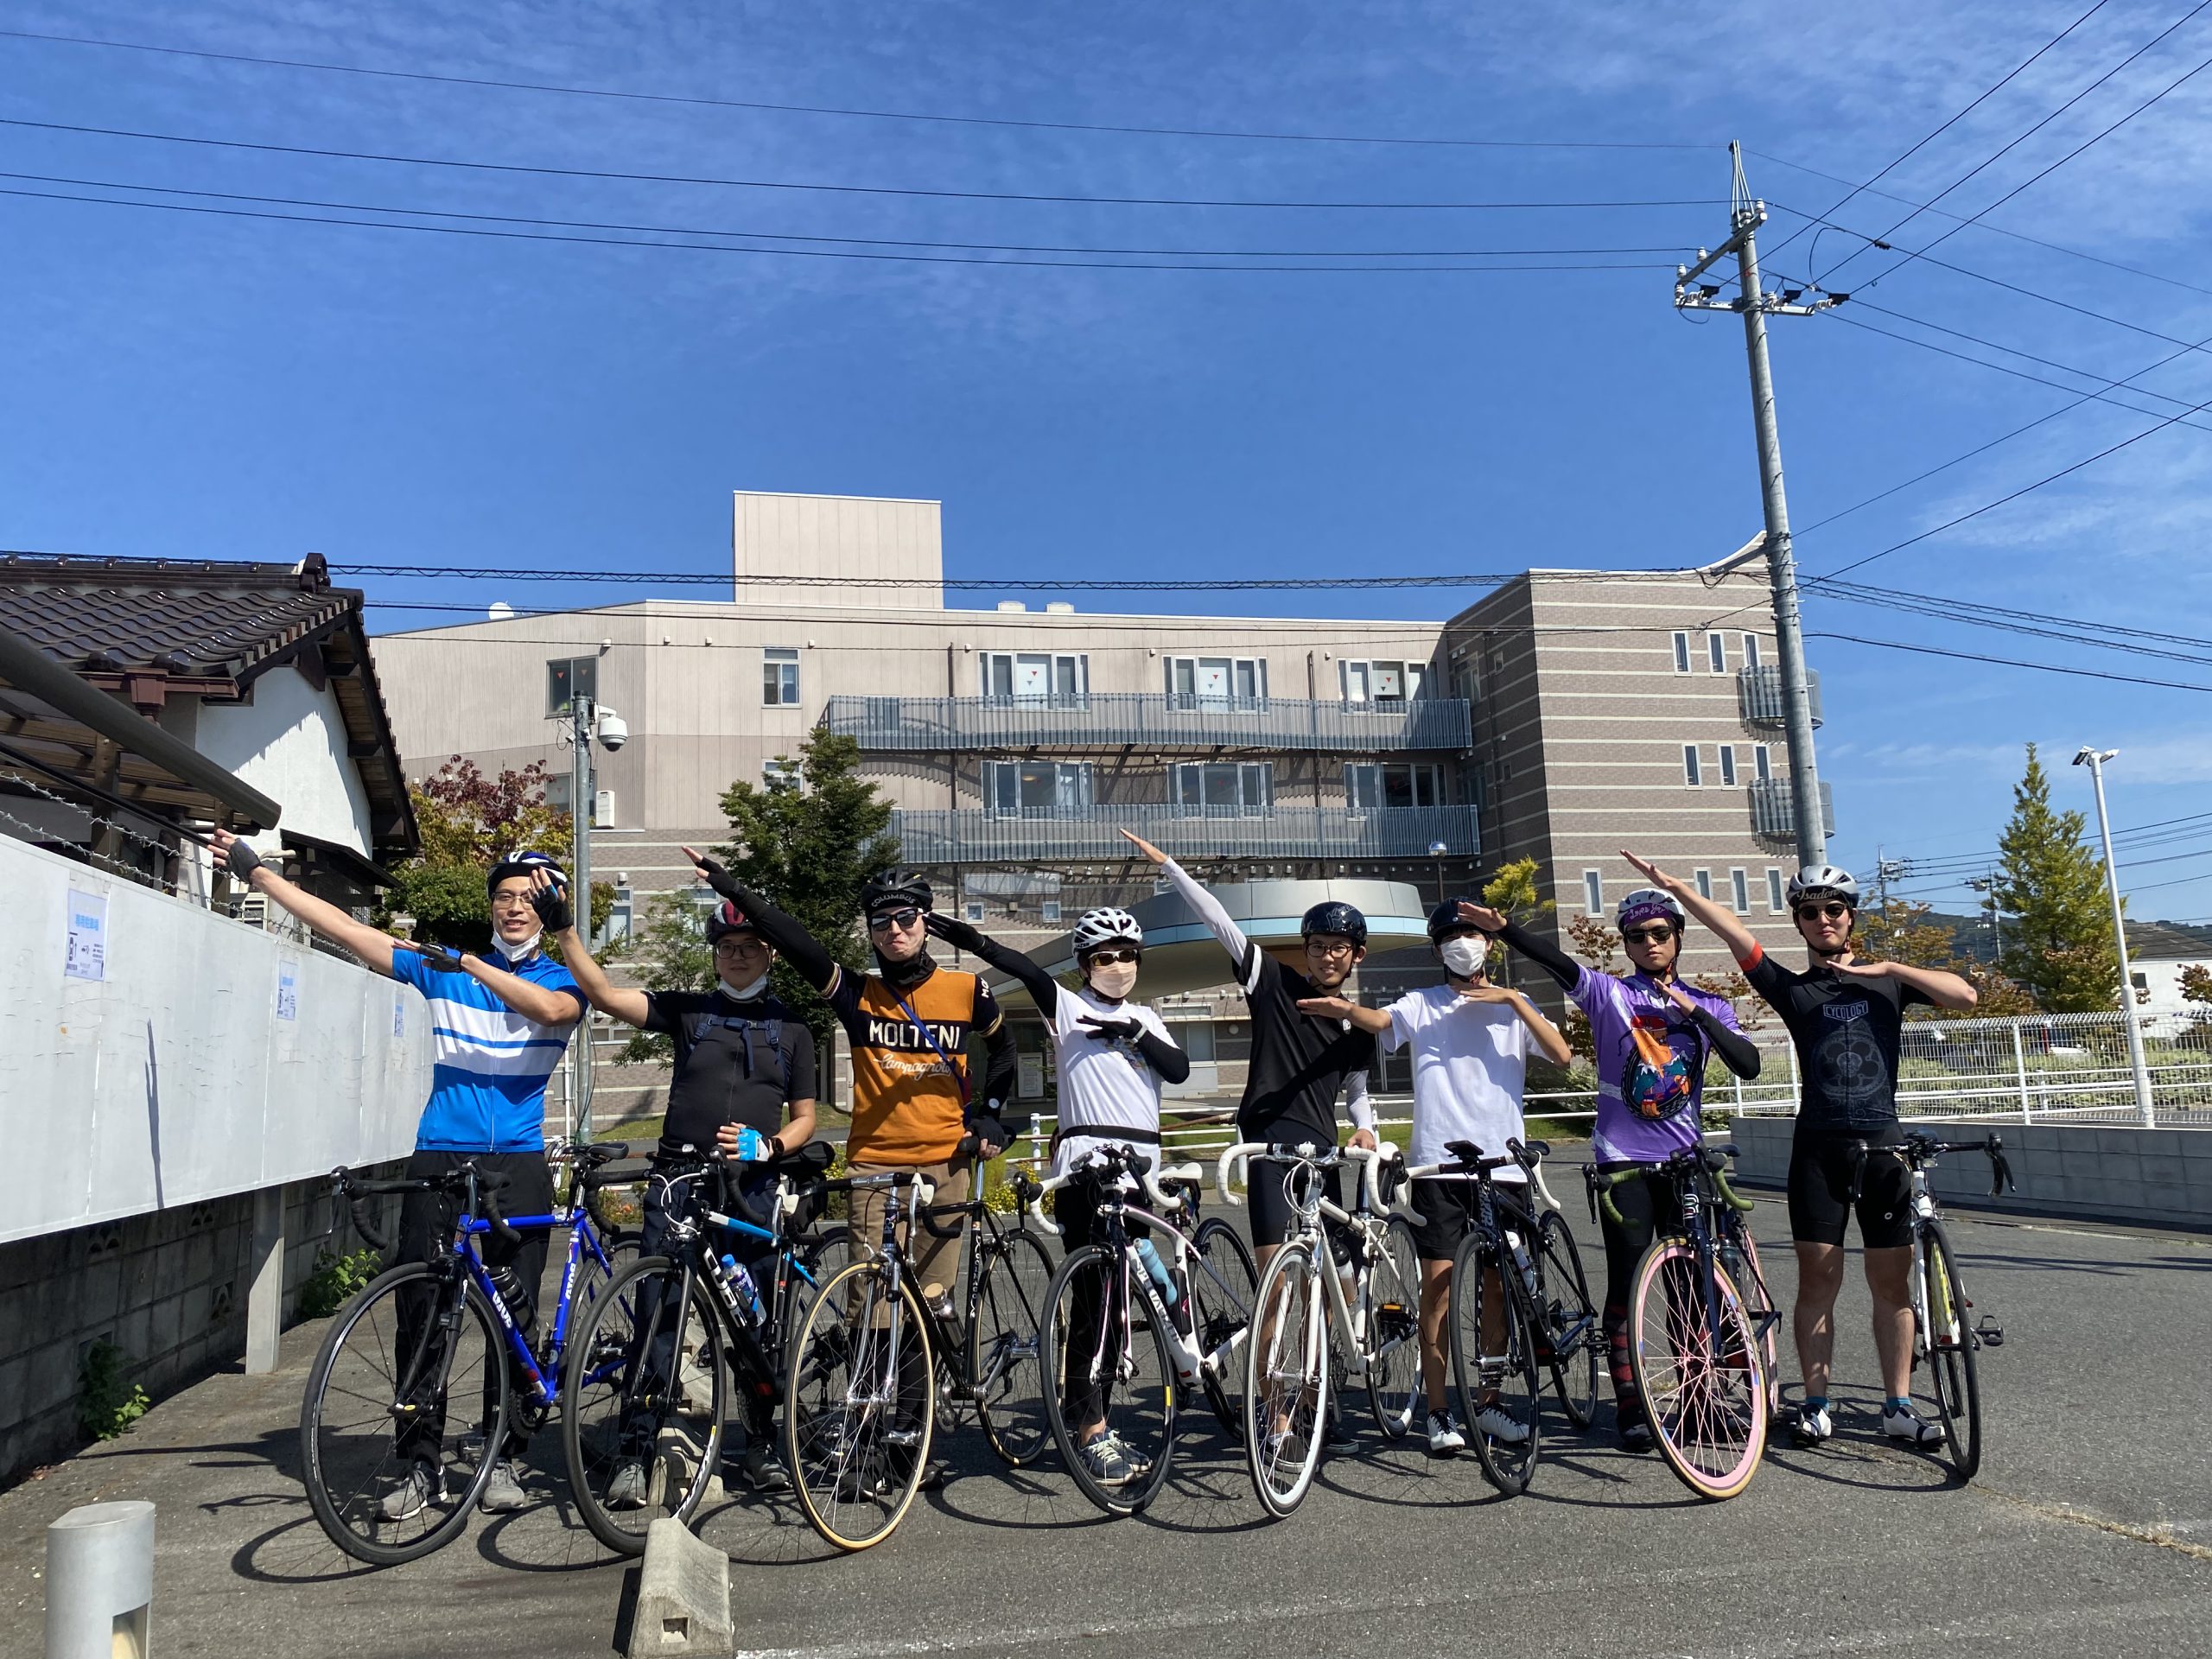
[1114, 1365]
[1223, 1281]
[1003, 1369]
[1391, 1301]
[1494, 1364]
[1287, 1378]
[1951, 1344]
[643, 1399]
[860, 1398]
[1572, 1337]
[1708, 1401]
[415, 1366]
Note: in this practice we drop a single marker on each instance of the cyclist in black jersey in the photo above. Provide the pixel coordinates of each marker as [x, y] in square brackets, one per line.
[1845, 1017]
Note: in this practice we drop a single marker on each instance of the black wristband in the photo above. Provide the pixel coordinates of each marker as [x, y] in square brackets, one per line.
[242, 861]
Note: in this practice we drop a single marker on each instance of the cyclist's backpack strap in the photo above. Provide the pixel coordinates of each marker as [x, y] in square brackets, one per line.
[772, 1031]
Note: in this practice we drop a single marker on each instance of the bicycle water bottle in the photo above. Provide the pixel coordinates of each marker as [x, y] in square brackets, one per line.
[1158, 1270]
[741, 1288]
[1521, 1260]
[508, 1282]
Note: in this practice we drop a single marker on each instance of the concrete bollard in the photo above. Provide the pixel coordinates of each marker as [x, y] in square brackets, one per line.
[100, 1581]
[682, 1597]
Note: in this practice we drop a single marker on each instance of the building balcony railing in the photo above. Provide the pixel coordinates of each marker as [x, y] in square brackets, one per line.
[1774, 814]
[1758, 695]
[1116, 718]
[1288, 831]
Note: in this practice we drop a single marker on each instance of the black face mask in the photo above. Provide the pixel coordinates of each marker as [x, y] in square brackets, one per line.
[903, 976]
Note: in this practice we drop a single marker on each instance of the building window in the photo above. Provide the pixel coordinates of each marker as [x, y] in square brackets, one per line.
[1195, 1039]
[1682, 651]
[1049, 910]
[781, 773]
[1380, 686]
[1056, 679]
[1762, 765]
[1773, 890]
[1594, 894]
[1716, 652]
[1728, 766]
[1704, 883]
[1036, 788]
[1690, 774]
[779, 676]
[1373, 788]
[1750, 651]
[1216, 682]
[1224, 790]
[1739, 891]
[566, 679]
[973, 910]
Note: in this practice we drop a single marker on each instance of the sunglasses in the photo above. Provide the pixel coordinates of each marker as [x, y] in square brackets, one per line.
[901, 919]
[1648, 935]
[1097, 956]
[1831, 911]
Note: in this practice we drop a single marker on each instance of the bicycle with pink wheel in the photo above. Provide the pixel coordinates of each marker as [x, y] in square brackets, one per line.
[1701, 1355]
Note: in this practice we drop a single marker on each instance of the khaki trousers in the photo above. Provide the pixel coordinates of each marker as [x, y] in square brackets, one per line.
[935, 1261]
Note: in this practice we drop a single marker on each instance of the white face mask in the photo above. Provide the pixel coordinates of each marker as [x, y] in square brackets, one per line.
[1114, 980]
[516, 952]
[1463, 959]
[748, 991]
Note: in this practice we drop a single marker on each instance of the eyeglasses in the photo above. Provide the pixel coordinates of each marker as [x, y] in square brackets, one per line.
[901, 919]
[1097, 956]
[1341, 947]
[511, 901]
[1830, 911]
[1657, 935]
[731, 943]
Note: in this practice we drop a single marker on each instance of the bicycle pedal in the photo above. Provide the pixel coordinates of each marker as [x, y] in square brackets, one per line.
[1989, 1333]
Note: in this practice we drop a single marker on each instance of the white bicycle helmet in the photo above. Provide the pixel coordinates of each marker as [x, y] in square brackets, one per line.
[1824, 878]
[1646, 902]
[1108, 925]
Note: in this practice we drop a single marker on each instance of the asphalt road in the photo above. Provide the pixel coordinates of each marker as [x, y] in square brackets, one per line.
[2089, 1532]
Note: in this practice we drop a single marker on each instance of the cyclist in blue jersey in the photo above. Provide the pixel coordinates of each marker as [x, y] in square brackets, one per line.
[498, 1031]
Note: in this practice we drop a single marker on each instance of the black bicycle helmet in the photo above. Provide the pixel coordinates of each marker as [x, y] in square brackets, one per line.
[520, 863]
[1334, 916]
[895, 889]
[1446, 919]
[727, 919]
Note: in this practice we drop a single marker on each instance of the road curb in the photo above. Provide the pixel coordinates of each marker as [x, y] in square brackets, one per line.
[682, 1597]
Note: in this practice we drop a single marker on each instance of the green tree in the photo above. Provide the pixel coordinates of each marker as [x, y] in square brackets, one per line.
[670, 954]
[1513, 891]
[1899, 932]
[2058, 947]
[467, 821]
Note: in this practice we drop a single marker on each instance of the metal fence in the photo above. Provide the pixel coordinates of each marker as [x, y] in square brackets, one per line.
[1286, 832]
[1148, 721]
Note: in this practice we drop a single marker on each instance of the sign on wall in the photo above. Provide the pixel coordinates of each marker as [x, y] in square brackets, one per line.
[85, 955]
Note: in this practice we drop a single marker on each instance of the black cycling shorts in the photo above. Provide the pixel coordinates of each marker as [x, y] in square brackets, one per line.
[1273, 1217]
[1446, 1210]
[1822, 1168]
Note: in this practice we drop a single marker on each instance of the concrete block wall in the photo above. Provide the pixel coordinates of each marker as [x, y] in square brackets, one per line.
[2105, 1171]
[168, 1288]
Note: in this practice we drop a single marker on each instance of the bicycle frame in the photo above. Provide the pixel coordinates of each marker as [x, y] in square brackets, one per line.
[1313, 1208]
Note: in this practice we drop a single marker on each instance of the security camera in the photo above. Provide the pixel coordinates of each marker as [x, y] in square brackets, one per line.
[613, 730]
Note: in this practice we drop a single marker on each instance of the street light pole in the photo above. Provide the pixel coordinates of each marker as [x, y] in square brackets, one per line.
[1437, 850]
[2094, 760]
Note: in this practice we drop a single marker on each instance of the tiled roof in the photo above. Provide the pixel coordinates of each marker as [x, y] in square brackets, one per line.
[187, 619]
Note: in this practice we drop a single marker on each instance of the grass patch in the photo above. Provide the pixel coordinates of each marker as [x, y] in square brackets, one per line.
[108, 1401]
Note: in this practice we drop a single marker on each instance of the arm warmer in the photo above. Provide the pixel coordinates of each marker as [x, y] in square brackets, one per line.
[999, 1069]
[1546, 956]
[1357, 1102]
[1040, 984]
[1737, 1052]
[792, 942]
[1216, 920]
[1163, 1057]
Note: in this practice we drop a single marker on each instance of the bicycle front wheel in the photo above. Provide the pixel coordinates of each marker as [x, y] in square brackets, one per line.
[1702, 1377]
[1390, 1299]
[643, 1401]
[1739, 1258]
[1223, 1281]
[1010, 1381]
[407, 1377]
[1110, 1396]
[1951, 1343]
[860, 1399]
[1287, 1378]
[1571, 1336]
[1494, 1364]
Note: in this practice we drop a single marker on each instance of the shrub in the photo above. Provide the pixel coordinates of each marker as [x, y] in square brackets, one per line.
[336, 1281]
[108, 1401]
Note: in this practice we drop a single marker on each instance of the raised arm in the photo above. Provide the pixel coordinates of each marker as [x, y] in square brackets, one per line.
[1208, 910]
[791, 941]
[1944, 990]
[1044, 990]
[526, 997]
[1718, 919]
[1737, 1052]
[630, 1006]
[1373, 1022]
[373, 945]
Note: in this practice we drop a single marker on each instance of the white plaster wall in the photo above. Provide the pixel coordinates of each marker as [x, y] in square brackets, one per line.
[289, 743]
[2161, 979]
[172, 1080]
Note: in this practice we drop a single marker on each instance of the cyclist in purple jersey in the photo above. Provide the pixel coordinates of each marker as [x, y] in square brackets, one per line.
[1652, 1036]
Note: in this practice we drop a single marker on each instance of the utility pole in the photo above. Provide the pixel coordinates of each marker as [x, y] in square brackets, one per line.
[1745, 216]
[2094, 760]
[582, 709]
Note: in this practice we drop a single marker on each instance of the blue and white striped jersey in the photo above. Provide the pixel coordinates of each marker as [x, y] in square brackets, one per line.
[490, 1064]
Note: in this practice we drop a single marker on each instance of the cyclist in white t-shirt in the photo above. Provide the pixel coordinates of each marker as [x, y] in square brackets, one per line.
[1471, 1041]
[1112, 1055]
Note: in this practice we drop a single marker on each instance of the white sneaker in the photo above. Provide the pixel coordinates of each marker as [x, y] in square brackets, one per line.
[1498, 1424]
[1813, 1427]
[1444, 1435]
[1909, 1425]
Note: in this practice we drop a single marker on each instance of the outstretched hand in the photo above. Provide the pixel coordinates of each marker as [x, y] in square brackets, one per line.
[1106, 1029]
[1656, 876]
[1144, 846]
[715, 874]
[952, 929]
[1678, 997]
[1325, 1008]
[550, 901]
[1482, 916]
[1485, 994]
[437, 957]
[1858, 969]
[235, 854]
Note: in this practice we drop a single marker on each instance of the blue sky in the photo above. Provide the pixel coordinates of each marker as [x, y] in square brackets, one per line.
[191, 384]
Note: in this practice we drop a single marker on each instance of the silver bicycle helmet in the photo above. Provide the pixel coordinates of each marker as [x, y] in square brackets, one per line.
[1646, 902]
[1824, 878]
[1108, 925]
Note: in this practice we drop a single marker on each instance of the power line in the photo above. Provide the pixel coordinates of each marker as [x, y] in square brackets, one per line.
[509, 84]
[863, 241]
[542, 171]
[2011, 662]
